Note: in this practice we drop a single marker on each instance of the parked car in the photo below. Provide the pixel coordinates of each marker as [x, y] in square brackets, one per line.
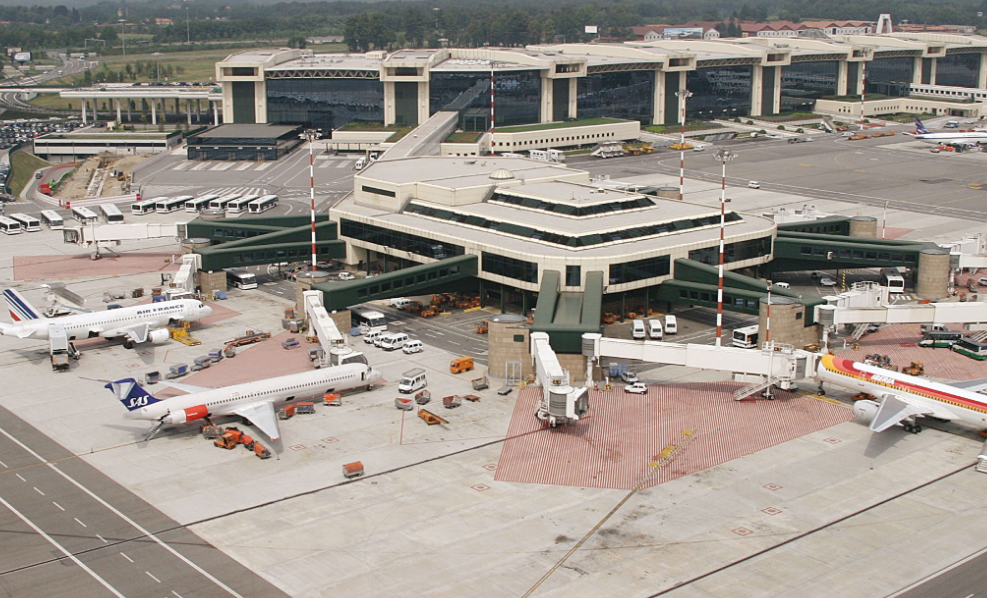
[816, 275]
[982, 281]
[637, 388]
[346, 276]
[754, 184]
[629, 377]
[827, 282]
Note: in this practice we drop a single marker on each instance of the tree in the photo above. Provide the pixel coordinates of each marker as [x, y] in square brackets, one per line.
[297, 41]
[109, 35]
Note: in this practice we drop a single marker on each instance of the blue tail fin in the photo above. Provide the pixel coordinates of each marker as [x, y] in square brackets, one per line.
[130, 393]
[20, 309]
[919, 127]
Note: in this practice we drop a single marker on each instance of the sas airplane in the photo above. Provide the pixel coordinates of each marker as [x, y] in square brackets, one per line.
[253, 401]
[138, 324]
[902, 398]
[962, 137]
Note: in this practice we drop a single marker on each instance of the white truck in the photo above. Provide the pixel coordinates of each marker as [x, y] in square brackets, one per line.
[60, 349]
[608, 149]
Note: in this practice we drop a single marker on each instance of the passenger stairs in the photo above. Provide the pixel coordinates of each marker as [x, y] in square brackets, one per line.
[978, 336]
[858, 332]
[743, 393]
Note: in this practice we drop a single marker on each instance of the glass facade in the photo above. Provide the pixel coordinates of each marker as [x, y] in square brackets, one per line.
[244, 110]
[324, 103]
[620, 95]
[804, 82]
[406, 103]
[733, 252]
[719, 92]
[890, 76]
[672, 110]
[560, 99]
[398, 240]
[573, 276]
[651, 267]
[958, 70]
[509, 267]
[517, 95]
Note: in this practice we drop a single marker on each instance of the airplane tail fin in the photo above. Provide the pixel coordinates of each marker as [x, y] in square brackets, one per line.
[131, 394]
[20, 309]
[919, 127]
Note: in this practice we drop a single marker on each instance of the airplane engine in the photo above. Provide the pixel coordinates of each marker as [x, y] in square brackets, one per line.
[866, 410]
[158, 335]
[186, 415]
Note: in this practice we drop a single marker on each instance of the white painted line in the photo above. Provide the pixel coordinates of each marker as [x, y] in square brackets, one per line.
[263, 166]
[129, 521]
[79, 522]
[454, 343]
[102, 538]
[244, 166]
[38, 491]
[4, 465]
[343, 164]
[126, 557]
[326, 165]
[152, 577]
[20, 477]
[176, 594]
[440, 333]
[41, 533]
[58, 505]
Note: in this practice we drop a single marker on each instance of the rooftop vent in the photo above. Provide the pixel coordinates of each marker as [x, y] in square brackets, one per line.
[501, 174]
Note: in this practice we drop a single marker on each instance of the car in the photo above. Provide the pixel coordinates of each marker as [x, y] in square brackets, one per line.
[982, 281]
[827, 282]
[972, 286]
[754, 184]
[637, 388]
[782, 285]
[629, 377]
[699, 148]
[346, 276]
[816, 275]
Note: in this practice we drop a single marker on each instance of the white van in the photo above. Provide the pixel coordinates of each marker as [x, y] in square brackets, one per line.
[413, 347]
[360, 164]
[654, 330]
[400, 302]
[371, 337]
[638, 330]
[671, 325]
[412, 380]
[393, 341]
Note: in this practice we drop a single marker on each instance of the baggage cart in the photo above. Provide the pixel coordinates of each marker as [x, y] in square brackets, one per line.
[423, 397]
[306, 407]
[451, 402]
[404, 404]
[353, 470]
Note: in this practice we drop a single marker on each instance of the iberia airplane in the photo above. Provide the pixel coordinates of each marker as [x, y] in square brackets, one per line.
[902, 398]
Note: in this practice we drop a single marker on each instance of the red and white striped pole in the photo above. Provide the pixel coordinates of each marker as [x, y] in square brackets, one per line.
[863, 91]
[492, 151]
[723, 156]
[683, 94]
[311, 185]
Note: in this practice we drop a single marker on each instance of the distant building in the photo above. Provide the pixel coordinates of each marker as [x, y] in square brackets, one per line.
[691, 30]
[771, 28]
[841, 27]
[162, 21]
[922, 28]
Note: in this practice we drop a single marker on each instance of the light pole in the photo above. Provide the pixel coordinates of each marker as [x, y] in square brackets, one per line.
[683, 94]
[157, 62]
[188, 32]
[724, 156]
[311, 135]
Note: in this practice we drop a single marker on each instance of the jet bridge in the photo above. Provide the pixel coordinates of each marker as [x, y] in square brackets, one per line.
[868, 303]
[96, 236]
[333, 343]
[560, 403]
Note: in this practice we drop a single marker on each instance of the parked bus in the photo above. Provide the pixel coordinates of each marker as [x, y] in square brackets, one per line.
[220, 202]
[85, 215]
[892, 278]
[144, 207]
[971, 349]
[111, 213]
[940, 339]
[29, 224]
[52, 219]
[746, 337]
[262, 204]
[9, 226]
[197, 204]
[367, 320]
[167, 205]
[240, 279]
[240, 204]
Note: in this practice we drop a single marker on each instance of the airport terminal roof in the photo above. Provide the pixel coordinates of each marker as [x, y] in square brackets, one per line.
[246, 131]
[456, 172]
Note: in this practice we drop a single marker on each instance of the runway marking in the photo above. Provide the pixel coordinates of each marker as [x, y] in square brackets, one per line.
[152, 576]
[38, 491]
[58, 505]
[119, 514]
[19, 477]
[176, 594]
[4, 465]
[454, 343]
[102, 538]
[126, 557]
[79, 522]
[71, 556]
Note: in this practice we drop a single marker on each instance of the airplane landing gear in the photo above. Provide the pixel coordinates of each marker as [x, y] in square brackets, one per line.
[911, 428]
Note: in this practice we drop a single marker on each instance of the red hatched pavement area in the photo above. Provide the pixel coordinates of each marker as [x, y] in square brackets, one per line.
[68, 267]
[617, 444]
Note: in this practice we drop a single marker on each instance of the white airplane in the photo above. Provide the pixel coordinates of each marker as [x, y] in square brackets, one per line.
[137, 324]
[964, 137]
[901, 398]
[253, 401]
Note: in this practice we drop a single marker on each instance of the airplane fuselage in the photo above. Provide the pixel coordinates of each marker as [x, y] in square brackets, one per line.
[76, 326]
[936, 138]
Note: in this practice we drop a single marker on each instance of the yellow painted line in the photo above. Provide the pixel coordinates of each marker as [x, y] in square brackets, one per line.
[809, 395]
[806, 165]
[466, 311]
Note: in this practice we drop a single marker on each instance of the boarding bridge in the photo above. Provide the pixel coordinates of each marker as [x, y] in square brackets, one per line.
[97, 236]
[778, 364]
[334, 348]
[868, 303]
[970, 253]
[560, 403]
[182, 285]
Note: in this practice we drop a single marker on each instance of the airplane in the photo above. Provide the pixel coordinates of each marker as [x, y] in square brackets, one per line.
[253, 401]
[902, 398]
[923, 134]
[137, 324]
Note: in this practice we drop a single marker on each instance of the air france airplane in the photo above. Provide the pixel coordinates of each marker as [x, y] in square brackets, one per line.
[253, 401]
[138, 324]
[964, 137]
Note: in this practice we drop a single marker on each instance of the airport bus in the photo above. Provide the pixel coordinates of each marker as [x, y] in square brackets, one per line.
[971, 349]
[29, 224]
[197, 204]
[9, 226]
[262, 204]
[167, 205]
[140, 208]
[240, 279]
[220, 202]
[746, 337]
[240, 204]
[111, 213]
[52, 219]
[367, 320]
[85, 215]
[892, 278]
[938, 339]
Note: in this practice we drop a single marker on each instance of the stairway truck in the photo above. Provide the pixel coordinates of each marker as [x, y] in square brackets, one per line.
[59, 348]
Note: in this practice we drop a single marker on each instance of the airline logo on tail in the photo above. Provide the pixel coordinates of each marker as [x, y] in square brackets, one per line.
[130, 393]
[919, 127]
[20, 309]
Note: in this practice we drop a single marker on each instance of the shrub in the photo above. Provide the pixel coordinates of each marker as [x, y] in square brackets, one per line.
[781, 127]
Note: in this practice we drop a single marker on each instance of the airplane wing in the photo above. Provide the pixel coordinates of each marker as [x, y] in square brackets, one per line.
[896, 408]
[971, 385]
[189, 388]
[261, 415]
[137, 332]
